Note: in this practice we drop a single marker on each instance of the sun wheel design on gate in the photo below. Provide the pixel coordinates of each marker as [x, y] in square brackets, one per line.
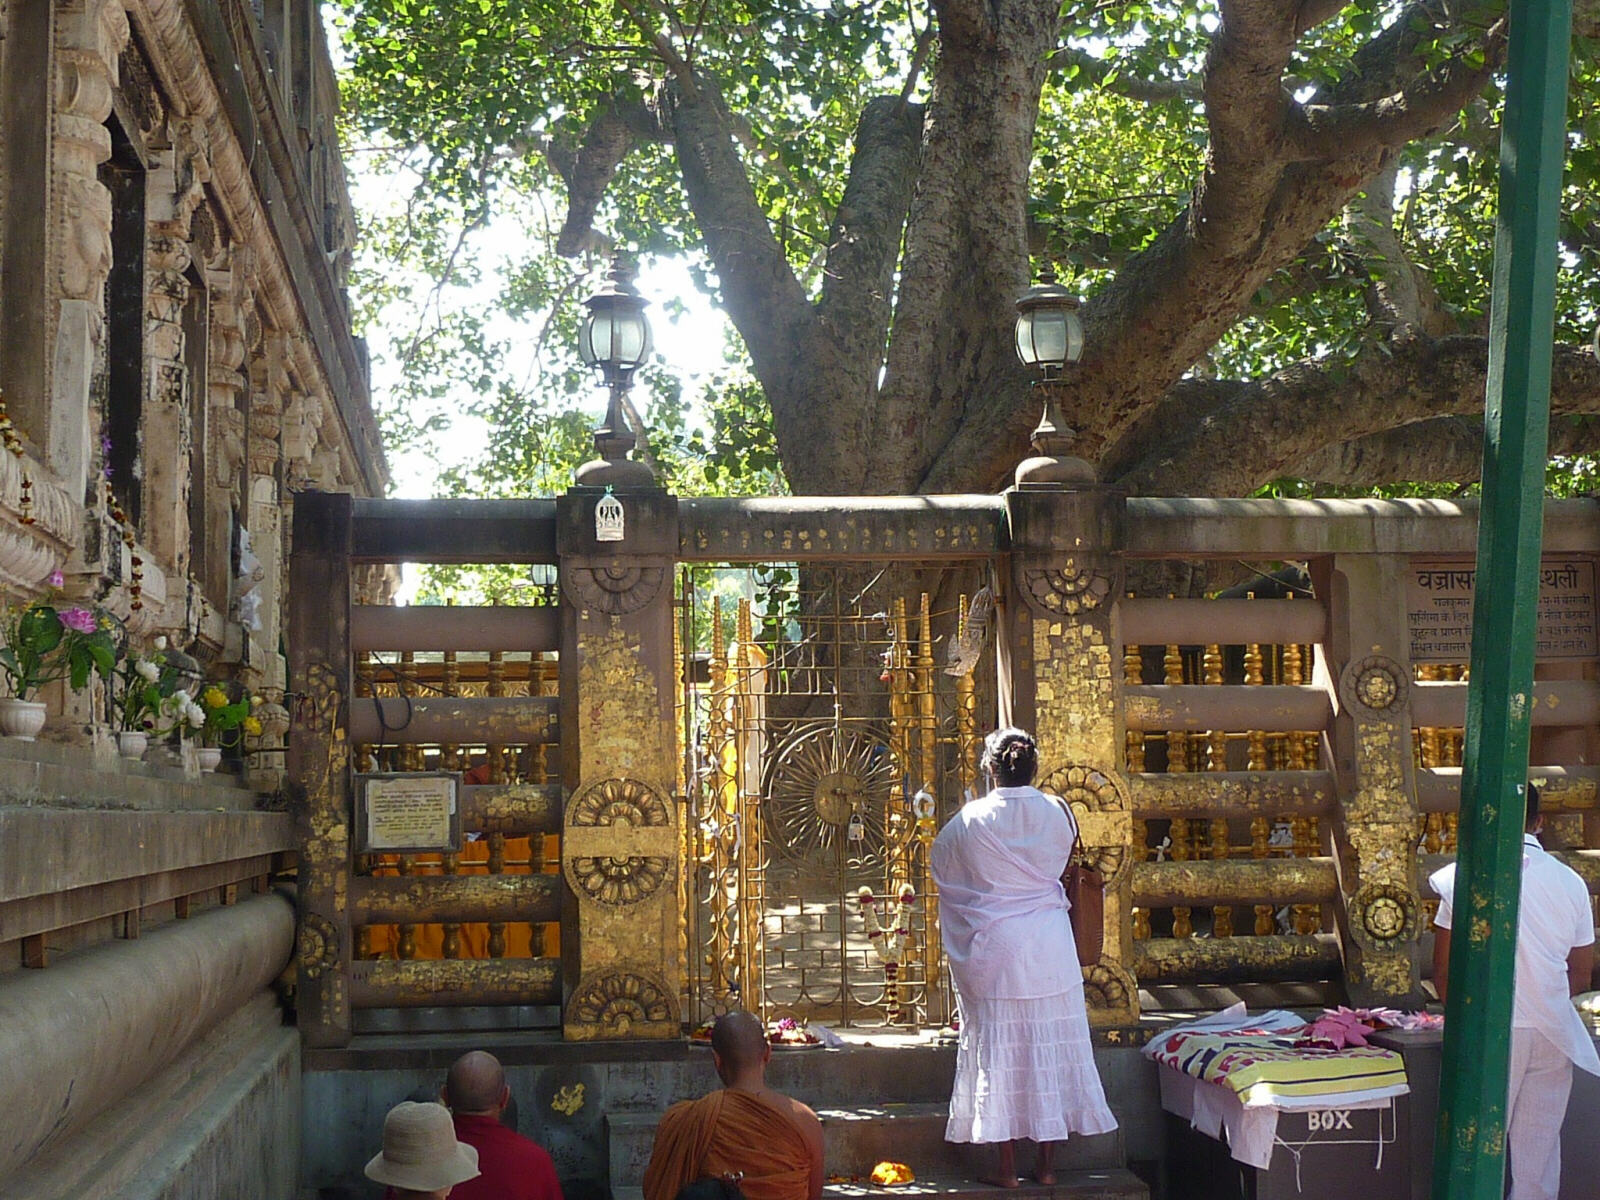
[821, 784]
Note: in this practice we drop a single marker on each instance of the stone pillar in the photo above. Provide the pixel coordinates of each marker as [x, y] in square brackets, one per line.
[174, 191]
[1366, 665]
[225, 432]
[319, 763]
[619, 848]
[90, 34]
[257, 606]
[1061, 677]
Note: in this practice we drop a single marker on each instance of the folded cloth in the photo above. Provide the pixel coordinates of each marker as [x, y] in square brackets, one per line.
[1276, 1069]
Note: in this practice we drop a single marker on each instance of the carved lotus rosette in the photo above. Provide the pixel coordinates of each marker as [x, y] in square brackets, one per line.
[1374, 686]
[316, 946]
[615, 588]
[621, 1004]
[1383, 916]
[1072, 588]
[618, 880]
[1091, 790]
[1109, 985]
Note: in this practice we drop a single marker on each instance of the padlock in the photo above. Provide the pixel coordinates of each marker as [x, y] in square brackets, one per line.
[856, 830]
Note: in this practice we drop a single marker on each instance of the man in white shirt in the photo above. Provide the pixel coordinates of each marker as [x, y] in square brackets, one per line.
[1555, 958]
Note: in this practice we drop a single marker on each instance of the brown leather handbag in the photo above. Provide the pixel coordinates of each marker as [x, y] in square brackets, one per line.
[1086, 892]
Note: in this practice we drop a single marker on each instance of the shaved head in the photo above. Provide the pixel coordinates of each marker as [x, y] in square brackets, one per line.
[739, 1040]
[476, 1083]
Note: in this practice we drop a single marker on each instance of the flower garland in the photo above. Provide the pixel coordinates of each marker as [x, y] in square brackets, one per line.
[13, 443]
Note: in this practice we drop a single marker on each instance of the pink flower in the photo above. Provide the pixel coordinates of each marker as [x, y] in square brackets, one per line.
[80, 619]
[57, 579]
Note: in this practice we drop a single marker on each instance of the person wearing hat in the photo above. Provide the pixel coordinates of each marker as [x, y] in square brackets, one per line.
[421, 1158]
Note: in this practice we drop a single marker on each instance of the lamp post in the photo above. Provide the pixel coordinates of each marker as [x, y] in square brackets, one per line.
[1050, 338]
[615, 339]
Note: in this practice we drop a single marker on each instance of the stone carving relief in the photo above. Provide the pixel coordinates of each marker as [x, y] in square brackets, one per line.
[1091, 790]
[617, 1003]
[1383, 916]
[90, 35]
[1110, 985]
[616, 589]
[1374, 687]
[1069, 589]
[618, 880]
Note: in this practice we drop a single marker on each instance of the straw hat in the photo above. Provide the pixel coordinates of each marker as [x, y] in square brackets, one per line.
[420, 1151]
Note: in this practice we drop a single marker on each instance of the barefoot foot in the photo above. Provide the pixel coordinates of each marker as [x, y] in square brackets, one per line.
[1000, 1181]
[1047, 1178]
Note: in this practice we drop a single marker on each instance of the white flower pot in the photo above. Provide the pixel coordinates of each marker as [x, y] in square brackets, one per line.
[209, 757]
[21, 719]
[132, 743]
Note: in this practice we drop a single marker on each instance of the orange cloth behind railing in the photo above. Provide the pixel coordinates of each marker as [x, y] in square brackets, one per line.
[522, 939]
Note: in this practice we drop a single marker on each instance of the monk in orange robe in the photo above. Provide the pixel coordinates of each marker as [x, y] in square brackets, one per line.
[746, 1129]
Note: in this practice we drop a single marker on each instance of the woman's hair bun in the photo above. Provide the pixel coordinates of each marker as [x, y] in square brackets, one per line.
[1011, 755]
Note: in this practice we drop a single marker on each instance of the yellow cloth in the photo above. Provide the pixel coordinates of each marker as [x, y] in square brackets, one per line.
[730, 1132]
[1262, 1067]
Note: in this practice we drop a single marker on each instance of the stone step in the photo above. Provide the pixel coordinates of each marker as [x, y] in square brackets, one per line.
[1113, 1184]
[857, 1138]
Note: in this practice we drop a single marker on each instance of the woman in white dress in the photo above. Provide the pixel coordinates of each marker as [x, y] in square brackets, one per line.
[1024, 1065]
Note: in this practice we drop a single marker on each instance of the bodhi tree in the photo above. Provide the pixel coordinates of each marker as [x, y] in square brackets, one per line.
[1280, 213]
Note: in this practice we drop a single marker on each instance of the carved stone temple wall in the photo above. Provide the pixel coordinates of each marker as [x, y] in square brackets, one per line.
[174, 333]
[177, 363]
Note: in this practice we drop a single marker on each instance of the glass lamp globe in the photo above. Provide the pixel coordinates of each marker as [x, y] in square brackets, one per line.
[1049, 330]
[615, 336]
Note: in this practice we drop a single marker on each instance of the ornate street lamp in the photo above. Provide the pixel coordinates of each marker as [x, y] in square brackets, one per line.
[1050, 338]
[615, 340]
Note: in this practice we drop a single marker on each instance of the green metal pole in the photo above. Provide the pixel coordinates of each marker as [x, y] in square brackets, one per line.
[1469, 1158]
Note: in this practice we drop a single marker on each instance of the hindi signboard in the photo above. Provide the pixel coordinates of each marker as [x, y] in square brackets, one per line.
[408, 813]
[1439, 609]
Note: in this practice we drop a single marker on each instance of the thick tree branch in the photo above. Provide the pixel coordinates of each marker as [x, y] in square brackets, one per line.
[1320, 132]
[1096, 70]
[1444, 450]
[966, 255]
[1252, 212]
[1270, 426]
[864, 243]
[762, 295]
[587, 171]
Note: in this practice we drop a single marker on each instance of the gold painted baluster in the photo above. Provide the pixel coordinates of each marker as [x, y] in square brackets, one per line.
[1177, 764]
[966, 723]
[1307, 917]
[1182, 924]
[495, 685]
[1217, 760]
[719, 953]
[408, 933]
[752, 928]
[497, 866]
[1260, 831]
[1260, 828]
[1133, 675]
[919, 945]
[450, 760]
[1177, 739]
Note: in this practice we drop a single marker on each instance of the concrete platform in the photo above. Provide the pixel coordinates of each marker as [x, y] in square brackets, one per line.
[1111, 1184]
[857, 1138]
[595, 1105]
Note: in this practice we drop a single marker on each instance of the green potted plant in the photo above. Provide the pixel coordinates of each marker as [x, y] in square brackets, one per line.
[136, 700]
[226, 723]
[44, 643]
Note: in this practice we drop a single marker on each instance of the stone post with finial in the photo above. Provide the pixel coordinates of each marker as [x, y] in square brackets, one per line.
[617, 538]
